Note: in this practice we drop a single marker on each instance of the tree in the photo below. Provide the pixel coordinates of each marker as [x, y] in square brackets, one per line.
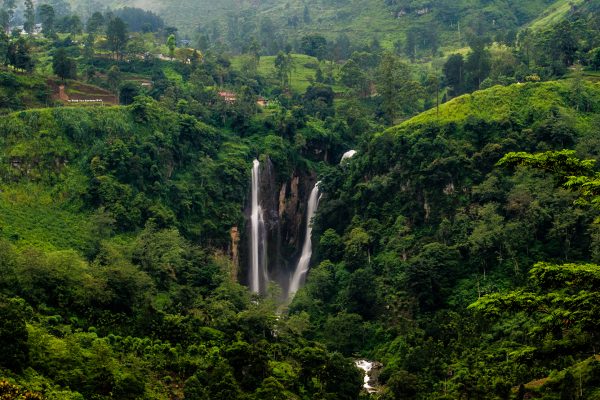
[88, 46]
[114, 77]
[571, 172]
[342, 379]
[361, 293]
[410, 46]
[271, 389]
[430, 273]
[561, 301]
[47, 17]
[594, 58]
[61, 7]
[478, 64]
[5, 47]
[353, 76]
[9, 6]
[306, 15]
[331, 246]
[357, 252]
[19, 55]
[128, 92]
[171, 44]
[95, 22]
[314, 45]
[13, 335]
[564, 42]
[70, 24]
[283, 68]
[398, 92]
[63, 65]
[29, 15]
[116, 35]
[344, 332]
[432, 91]
[139, 20]
[454, 69]
[569, 387]
[403, 385]
[4, 21]
[342, 47]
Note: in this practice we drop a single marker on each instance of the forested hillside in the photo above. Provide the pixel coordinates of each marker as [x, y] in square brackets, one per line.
[294, 200]
[428, 24]
[422, 223]
[101, 211]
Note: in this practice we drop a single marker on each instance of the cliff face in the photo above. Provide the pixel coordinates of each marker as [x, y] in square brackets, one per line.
[283, 201]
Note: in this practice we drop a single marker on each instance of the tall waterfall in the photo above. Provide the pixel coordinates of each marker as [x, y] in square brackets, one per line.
[303, 263]
[258, 234]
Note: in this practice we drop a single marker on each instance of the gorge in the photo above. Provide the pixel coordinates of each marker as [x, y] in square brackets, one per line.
[275, 225]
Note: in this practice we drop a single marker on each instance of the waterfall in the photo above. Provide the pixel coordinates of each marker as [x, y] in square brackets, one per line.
[347, 155]
[367, 367]
[257, 234]
[303, 263]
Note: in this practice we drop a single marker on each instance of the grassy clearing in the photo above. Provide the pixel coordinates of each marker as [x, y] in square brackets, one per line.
[303, 74]
[554, 14]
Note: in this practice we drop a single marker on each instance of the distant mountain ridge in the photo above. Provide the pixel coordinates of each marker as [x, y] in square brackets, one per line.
[386, 20]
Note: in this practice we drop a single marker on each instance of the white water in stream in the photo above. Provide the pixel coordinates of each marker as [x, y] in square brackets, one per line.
[366, 366]
[304, 262]
[257, 235]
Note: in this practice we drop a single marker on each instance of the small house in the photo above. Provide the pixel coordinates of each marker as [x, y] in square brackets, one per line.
[262, 102]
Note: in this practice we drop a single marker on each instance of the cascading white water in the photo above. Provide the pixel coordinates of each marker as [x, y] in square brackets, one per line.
[347, 155]
[303, 263]
[366, 366]
[257, 234]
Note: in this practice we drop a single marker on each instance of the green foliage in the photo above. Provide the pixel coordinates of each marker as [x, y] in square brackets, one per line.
[13, 335]
[116, 222]
[422, 222]
[63, 66]
[398, 92]
[116, 35]
[573, 173]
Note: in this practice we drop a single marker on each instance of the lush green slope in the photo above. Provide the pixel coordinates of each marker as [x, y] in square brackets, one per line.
[555, 13]
[110, 282]
[20, 91]
[62, 148]
[520, 104]
[421, 223]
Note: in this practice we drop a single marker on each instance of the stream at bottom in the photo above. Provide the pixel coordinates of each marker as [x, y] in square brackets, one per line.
[367, 367]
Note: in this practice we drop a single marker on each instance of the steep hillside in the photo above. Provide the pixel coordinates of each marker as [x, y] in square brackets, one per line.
[114, 276]
[421, 223]
[557, 12]
[68, 155]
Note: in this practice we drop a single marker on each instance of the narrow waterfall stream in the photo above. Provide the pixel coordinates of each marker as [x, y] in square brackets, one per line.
[366, 367]
[257, 233]
[304, 262]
